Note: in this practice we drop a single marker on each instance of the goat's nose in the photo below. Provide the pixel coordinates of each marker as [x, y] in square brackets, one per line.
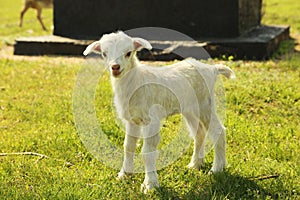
[115, 67]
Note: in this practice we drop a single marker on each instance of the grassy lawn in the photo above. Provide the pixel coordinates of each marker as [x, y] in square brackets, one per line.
[262, 120]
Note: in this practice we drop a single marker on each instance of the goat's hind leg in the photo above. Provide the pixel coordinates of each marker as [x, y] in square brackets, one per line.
[218, 137]
[197, 130]
[39, 17]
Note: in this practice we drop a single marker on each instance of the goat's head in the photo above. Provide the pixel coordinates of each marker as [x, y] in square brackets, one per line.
[118, 50]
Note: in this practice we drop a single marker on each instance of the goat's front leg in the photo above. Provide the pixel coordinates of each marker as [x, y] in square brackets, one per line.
[26, 7]
[150, 153]
[131, 138]
[198, 132]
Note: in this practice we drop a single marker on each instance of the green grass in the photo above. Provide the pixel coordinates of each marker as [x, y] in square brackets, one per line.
[282, 12]
[263, 111]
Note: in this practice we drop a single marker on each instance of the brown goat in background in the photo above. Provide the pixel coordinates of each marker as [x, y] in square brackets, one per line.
[38, 5]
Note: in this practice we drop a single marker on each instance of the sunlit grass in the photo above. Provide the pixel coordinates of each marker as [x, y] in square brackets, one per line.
[262, 120]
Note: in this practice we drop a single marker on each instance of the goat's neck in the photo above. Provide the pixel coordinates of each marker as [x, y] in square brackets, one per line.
[135, 61]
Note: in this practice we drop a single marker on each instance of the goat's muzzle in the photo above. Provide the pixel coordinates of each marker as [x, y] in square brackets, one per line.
[116, 70]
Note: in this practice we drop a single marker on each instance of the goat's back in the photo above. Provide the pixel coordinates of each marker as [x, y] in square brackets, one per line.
[184, 87]
[39, 3]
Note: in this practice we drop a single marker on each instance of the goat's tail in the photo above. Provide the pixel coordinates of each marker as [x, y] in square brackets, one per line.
[226, 71]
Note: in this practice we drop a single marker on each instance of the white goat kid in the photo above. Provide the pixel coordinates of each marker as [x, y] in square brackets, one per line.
[144, 95]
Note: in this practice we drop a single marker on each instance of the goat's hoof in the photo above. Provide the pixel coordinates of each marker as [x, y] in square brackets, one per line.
[196, 165]
[147, 187]
[122, 175]
[215, 170]
[44, 28]
[218, 167]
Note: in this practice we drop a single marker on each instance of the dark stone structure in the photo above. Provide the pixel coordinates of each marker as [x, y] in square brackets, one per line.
[196, 18]
[221, 27]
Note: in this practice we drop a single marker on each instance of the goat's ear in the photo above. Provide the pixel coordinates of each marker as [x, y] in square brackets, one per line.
[94, 47]
[140, 43]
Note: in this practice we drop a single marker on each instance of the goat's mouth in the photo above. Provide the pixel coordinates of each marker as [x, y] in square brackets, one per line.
[116, 70]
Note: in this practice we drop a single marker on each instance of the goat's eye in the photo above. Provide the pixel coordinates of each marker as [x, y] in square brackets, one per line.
[128, 54]
[104, 54]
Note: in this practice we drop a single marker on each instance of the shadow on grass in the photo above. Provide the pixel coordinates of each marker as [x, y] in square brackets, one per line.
[219, 186]
[286, 48]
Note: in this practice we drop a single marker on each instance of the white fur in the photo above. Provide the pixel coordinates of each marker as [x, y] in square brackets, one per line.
[144, 95]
